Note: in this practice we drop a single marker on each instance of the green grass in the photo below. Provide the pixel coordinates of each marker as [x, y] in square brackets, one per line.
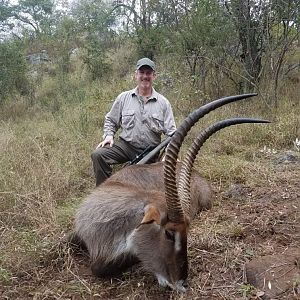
[66, 211]
[246, 289]
[5, 276]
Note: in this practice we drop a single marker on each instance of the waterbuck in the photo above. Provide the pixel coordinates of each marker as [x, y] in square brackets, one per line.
[142, 214]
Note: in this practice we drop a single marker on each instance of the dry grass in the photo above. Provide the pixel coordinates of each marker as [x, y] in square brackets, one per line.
[46, 171]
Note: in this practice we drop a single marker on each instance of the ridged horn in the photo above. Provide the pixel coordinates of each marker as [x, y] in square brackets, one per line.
[175, 210]
[184, 181]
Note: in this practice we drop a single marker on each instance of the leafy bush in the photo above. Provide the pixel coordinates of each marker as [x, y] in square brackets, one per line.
[13, 69]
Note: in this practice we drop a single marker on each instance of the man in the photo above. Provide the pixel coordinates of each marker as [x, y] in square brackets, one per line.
[142, 114]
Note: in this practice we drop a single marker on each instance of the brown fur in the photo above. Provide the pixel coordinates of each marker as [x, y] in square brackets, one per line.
[124, 221]
[150, 177]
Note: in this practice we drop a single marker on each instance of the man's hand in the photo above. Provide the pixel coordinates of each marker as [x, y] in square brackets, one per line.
[109, 139]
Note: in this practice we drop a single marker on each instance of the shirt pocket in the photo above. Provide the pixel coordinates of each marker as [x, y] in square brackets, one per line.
[128, 119]
[156, 123]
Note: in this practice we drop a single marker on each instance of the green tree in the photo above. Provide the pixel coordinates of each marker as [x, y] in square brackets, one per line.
[94, 22]
[13, 69]
[6, 22]
[251, 22]
[202, 36]
[65, 39]
[33, 15]
[266, 30]
[144, 21]
[283, 32]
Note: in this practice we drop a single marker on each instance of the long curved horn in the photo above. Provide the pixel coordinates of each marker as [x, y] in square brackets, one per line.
[175, 211]
[184, 181]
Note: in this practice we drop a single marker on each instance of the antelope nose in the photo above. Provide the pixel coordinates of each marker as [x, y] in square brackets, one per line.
[185, 283]
[181, 286]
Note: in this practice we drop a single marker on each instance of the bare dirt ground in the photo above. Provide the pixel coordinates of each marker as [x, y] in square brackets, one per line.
[247, 222]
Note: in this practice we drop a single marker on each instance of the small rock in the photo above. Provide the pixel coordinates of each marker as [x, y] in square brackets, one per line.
[275, 274]
[288, 157]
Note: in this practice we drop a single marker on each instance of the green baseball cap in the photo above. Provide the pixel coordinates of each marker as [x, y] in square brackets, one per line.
[145, 62]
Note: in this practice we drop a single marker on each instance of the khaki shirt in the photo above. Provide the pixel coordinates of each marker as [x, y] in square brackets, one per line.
[142, 122]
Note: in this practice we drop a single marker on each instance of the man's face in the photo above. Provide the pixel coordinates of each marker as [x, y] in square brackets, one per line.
[144, 77]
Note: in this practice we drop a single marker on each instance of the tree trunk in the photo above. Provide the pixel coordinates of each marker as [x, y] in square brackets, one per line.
[250, 34]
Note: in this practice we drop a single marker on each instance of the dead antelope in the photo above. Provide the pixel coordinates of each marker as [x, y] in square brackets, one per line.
[139, 214]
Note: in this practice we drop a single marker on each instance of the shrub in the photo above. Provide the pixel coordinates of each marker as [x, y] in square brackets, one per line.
[13, 70]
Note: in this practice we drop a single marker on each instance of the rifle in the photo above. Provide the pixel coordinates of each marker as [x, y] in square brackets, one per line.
[148, 153]
[140, 156]
[153, 152]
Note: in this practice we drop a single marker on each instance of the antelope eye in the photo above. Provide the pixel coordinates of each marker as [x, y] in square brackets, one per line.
[170, 235]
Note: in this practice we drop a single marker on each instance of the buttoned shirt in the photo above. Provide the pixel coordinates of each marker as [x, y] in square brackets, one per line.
[142, 122]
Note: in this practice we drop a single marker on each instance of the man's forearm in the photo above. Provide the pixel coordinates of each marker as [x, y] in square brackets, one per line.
[109, 128]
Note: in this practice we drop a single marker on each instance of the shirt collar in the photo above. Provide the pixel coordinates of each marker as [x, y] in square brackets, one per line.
[153, 96]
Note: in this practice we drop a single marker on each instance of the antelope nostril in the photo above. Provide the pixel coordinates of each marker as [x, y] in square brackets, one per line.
[185, 283]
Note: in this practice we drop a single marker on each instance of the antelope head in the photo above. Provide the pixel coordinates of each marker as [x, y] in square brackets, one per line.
[161, 245]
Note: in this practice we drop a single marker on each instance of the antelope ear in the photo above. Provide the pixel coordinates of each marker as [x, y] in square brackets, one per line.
[152, 214]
